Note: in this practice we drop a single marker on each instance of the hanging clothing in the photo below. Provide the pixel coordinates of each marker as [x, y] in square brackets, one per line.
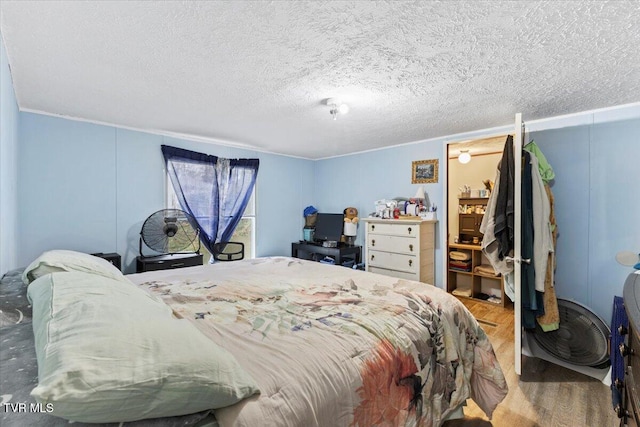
[490, 243]
[504, 210]
[510, 285]
[550, 321]
[487, 228]
[537, 243]
[545, 236]
[545, 169]
[542, 239]
[532, 300]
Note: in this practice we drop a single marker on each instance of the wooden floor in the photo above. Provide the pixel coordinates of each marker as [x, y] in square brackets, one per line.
[546, 395]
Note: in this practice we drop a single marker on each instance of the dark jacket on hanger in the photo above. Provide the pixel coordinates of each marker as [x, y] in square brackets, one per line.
[532, 300]
[504, 222]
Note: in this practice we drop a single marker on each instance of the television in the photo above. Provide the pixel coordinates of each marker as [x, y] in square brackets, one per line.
[328, 227]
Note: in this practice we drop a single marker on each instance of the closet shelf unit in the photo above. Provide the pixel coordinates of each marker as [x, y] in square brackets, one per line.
[470, 213]
[473, 283]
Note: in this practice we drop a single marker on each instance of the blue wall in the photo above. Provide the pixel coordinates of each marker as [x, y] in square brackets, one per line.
[597, 208]
[90, 187]
[9, 119]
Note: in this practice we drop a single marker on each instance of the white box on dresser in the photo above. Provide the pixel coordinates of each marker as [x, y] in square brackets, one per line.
[401, 248]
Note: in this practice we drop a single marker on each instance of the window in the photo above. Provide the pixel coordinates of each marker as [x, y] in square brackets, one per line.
[244, 232]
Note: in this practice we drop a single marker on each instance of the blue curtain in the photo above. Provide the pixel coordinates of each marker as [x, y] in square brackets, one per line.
[215, 191]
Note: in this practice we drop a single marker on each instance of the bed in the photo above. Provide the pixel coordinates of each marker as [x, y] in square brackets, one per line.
[325, 345]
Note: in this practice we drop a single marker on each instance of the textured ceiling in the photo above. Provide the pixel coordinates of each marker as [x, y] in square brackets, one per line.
[256, 73]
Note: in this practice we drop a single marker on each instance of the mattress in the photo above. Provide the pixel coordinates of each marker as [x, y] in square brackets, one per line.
[332, 346]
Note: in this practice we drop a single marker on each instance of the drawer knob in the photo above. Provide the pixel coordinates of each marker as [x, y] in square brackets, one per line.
[625, 350]
[409, 230]
[410, 262]
[373, 227]
[372, 257]
[373, 242]
[622, 330]
[410, 248]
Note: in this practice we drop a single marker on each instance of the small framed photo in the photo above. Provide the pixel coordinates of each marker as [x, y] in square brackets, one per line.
[424, 171]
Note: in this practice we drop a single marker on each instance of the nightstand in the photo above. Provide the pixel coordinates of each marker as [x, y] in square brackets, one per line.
[112, 257]
[166, 262]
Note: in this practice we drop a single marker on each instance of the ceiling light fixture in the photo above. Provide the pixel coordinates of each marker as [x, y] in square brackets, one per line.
[337, 107]
[464, 157]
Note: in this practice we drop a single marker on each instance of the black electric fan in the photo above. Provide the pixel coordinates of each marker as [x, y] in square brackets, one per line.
[170, 231]
[581, 343]
[582, 338]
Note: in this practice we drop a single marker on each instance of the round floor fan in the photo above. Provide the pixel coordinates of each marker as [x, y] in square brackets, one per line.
[582, 338]
[170, 231]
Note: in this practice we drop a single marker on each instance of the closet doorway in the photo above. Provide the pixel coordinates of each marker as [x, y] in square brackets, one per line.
[471, 171]
[462, 227]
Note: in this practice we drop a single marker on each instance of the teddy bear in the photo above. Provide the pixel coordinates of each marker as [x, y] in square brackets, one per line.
[350, 224]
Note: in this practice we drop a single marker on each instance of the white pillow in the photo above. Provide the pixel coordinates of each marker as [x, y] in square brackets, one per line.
[64, 260]
[107, 352]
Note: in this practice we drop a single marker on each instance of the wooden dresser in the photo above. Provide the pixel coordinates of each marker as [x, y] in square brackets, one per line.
[631, 352]
[401, 248]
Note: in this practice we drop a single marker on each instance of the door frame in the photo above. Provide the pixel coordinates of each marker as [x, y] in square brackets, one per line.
[444, 168]
[518, 131]
[517, 238]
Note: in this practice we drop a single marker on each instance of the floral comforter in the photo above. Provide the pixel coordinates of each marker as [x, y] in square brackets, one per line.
[332, 346]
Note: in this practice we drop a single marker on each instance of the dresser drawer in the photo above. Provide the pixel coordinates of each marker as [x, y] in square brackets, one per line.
[394, 273]
[394, 229]
[632, 363]
[634, 359]
[393, 261]
[382, 242]
[631, 396]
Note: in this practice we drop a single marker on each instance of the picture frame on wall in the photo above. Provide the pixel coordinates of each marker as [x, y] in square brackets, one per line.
[424, 171]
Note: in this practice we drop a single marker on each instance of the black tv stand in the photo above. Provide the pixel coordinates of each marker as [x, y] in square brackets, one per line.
[304, 242]
[315, 251]
[321, 243]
